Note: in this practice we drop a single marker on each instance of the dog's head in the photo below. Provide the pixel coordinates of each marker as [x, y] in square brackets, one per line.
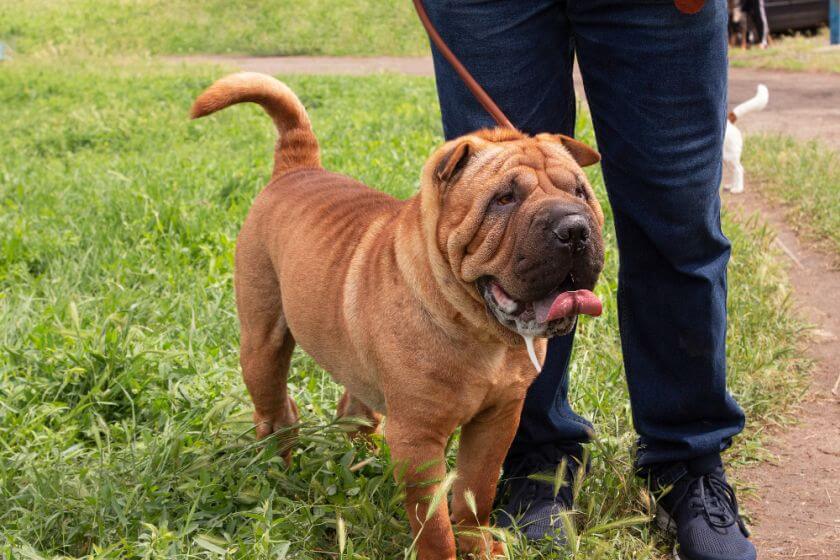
[519, 227]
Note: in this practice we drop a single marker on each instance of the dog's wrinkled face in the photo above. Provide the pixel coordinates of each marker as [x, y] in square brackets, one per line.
[519, 224]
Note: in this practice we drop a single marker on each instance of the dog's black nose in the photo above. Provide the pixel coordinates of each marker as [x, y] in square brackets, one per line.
[572, 230]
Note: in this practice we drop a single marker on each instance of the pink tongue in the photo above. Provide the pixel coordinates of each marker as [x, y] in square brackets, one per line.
[578, 302]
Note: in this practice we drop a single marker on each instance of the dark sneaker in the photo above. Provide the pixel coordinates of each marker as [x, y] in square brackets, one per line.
[701, 509]
[532, 496]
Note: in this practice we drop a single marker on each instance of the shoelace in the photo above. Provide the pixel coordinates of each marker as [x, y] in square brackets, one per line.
[714, 498]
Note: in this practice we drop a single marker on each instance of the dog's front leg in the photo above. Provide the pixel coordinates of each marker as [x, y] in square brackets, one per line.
[417, 450]
[484, 443]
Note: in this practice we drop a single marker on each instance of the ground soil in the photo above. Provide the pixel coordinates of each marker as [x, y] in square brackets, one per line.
[803, 105]
[796, 509]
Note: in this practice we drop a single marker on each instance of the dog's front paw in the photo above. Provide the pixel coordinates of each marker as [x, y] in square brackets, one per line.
[480, 546]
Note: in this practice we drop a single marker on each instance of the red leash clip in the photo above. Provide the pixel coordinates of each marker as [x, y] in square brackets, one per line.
[689, 6]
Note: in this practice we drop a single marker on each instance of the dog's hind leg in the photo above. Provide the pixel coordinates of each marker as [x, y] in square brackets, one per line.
[737, 178]
[266, 343]
[728, 171]
[351, 407]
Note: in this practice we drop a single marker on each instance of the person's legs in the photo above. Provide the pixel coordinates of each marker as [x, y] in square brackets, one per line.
[656, 83]
[762, 28]
[520, 52]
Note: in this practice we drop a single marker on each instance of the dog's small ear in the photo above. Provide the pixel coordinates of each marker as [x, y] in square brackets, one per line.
[581, 153]
[451, 165]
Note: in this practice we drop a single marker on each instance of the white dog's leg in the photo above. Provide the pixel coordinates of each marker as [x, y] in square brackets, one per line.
[733, 145]
[737, 178]
[728, 172]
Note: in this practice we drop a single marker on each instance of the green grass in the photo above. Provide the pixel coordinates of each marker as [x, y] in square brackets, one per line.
[805, 177]
[279, 27]
[257, 27]
[124, 425]
[790, 52]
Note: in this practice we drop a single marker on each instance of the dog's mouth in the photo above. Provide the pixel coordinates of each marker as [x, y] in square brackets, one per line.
[554, 314]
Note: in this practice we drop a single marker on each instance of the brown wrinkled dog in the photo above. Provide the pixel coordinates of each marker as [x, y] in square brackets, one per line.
[418, 307]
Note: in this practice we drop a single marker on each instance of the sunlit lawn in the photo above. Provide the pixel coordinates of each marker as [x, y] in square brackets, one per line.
[791, 52]
[260, 27]
[805, 176]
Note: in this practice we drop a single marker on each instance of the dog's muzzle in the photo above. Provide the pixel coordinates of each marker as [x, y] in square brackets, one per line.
[554, 314]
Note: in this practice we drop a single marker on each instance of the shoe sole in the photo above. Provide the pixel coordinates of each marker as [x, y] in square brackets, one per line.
[666, 524]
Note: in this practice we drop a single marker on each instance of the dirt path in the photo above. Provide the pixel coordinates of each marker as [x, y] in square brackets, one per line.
[803, 105]
[796, 513]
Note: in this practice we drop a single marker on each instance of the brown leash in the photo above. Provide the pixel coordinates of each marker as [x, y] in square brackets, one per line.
[685, 6]
[477, 91]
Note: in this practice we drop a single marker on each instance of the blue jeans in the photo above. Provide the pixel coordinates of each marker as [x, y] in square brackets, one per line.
[655, 81]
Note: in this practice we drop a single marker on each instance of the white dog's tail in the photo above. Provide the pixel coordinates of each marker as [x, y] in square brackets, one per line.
[297, 146]
[757, 103]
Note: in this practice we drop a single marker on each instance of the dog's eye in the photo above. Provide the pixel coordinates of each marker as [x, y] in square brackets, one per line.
[505, 199]
[580, 192]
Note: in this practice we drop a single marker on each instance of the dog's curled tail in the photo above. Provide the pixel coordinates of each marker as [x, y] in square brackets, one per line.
[297, 146]
[756, 103]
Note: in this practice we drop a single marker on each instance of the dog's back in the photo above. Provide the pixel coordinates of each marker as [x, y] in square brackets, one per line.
[289, 266]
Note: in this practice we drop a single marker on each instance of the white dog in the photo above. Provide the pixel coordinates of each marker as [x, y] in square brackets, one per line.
[733, 142]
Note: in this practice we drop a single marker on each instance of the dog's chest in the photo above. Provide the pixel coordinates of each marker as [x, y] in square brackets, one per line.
[501, 384]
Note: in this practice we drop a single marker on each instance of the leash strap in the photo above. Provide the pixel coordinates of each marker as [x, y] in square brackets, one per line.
[478, 91]
[685, 6]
